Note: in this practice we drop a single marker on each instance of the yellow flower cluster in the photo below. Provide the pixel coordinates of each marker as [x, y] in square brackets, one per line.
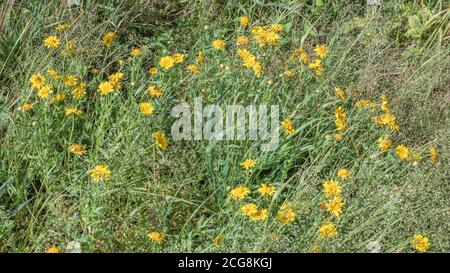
[249, 61]
[267, 35]
[340, 119]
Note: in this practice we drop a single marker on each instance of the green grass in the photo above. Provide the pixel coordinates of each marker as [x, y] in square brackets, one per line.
[47, 196]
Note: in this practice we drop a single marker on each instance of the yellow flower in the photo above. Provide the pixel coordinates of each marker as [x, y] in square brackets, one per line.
[260, 215]
[344, 174]
[193, 69]
[340, 120]
[105, 88]
[384, 143]
[37, 81]
[154, 91]
[53, 249]
[334, 206]
[78, 149]
[266, 190]
[276, 27]
[434, 156]
[95, 71]
[178, 58]
[201, 57]
[321, 51]
[242, 41]
[288, 127]
[244, 20]
[248, 164]
[286, 214]
[44, 92]
[156, 237]
[339, 137]
[52, 42]
[385, 104]
[218, 44]
[146, 108]
[109, 38]
[153, 70]
[161, 140]
[402, 152]
[332, 188]
[289, 73]
[166, 62]
[79, 91]
[317, 66]
[135, 52]
[327, 230]
[364, 104]
[240, 192]
[100, 173]
[218, 240]
[389, 120]
[62, 27]
[72, 111]
[26, 107]
[70, 80]
[341, 93]
[249, 209]
[52, 72]
[58, 97]
[421, 243]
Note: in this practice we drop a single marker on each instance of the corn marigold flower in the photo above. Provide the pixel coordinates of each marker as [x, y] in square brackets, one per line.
[146, 108]
[154, 91]
[364, 104]
[384, 143]
[161, 140]
[339, 137]
[153, 70]
[434, 155]
[421, 243]
[218, 44]
[341, 93]
[201, 57]
[135, 52]
[52, 249]
[385, 104]
[72, 111]
[193, 69]
[239, 193]
[167, 62]
[332, 188]
[244, 21]
[219, 240]
[109, 38]
[288, 127]
[248, 164]
[44, 92]
[105, 88]
[249, 209]
[266, 35]
[289, 73]
[317, 66]
[178, 58]
[340, 119]
[402, 152]
[242, 41]
[100, 173]
[389, 120]
[70, 80]
[286, 214]
[63, 27]
[267, 190]
[327, 230]
[260, 215]
[344, 174]
[321, 51]
[52, 42]
[53, 73]
[26, 107]
[78, 149]
[79, 91]
[37, 81]
[156, 237]
[334, 205]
